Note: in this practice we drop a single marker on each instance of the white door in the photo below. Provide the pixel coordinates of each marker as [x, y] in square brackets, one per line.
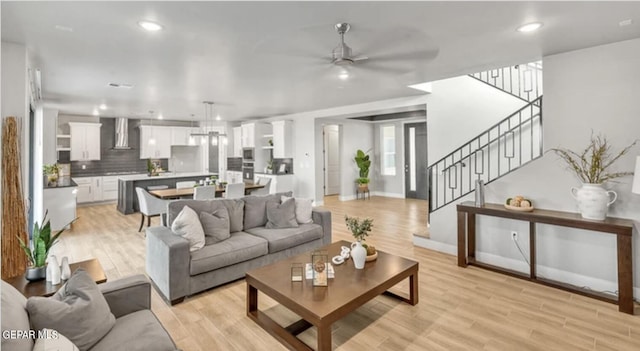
[331, 160]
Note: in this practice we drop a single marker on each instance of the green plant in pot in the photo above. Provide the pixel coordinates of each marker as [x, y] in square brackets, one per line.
[360, 229]
[363, 162]
[51, 171]
[38, 248]
[593, 167]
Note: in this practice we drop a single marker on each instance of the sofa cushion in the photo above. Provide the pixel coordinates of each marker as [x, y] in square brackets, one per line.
[78, 310]
[282, 239]
[14, 317]
[281, 215]
[239, 247]
[187, 225]
[137, 331]
[255, 209]
[53, 341]
[215, 225]
[304, 209]
[235, 207]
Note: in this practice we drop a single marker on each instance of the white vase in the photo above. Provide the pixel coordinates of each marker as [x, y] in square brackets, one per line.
[65, 270]
[593, 200]
[54, 269]
[358, 254]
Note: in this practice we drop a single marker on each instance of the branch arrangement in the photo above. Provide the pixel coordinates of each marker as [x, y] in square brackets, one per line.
[592, 163]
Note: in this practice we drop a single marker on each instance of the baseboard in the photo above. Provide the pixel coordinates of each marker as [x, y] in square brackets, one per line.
[346, 197]
[434, 245]
[384, 194]
[578, 280]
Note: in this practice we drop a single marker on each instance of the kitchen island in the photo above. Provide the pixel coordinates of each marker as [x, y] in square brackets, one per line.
[127, 184]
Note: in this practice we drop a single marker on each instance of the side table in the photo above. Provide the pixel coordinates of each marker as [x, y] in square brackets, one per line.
[45, 288]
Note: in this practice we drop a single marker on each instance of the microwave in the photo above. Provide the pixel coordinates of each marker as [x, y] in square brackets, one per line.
[248, 154]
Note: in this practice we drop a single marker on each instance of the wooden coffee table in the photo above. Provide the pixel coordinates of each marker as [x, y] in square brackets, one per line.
[322, 306]
[45, 288]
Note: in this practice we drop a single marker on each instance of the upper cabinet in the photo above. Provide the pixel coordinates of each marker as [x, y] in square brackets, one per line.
[155, 142]
[237, 142]
[85, 141]
[282, 139]
[181, 136]
[248, 135]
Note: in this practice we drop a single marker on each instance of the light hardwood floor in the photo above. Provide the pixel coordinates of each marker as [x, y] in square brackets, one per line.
[459, 309]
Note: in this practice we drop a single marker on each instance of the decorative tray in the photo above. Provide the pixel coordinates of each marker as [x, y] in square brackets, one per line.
[519, 209]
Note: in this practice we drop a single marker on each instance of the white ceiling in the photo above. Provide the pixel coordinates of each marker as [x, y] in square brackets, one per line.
[259, 59]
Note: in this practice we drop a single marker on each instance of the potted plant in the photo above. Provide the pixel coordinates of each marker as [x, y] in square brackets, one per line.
[360, 230]
[151, 168]
[363, 162]
[38, 248]
[51, 171]
[592, 166]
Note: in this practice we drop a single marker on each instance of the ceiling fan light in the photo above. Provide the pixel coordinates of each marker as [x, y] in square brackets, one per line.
[529, 27]
[343, 75]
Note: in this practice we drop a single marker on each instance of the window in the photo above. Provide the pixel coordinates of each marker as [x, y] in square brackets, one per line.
[388, 150]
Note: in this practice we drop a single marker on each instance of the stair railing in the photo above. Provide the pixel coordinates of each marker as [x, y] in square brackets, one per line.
[523, 81]
[499, 150]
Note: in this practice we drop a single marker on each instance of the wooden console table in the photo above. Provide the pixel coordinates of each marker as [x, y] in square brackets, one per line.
[622, 228]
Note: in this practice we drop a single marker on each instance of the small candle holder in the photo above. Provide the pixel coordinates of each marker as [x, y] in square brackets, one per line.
[297, 272]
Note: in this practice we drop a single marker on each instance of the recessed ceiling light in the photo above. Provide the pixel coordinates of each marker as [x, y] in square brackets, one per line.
[150, 26]
[96, 112]
[103, 106]
[626, 22]
[529, 27]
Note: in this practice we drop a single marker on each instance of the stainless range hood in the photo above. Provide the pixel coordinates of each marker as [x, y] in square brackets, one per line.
[122, 134]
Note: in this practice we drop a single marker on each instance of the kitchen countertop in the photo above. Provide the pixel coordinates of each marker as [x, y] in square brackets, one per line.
[63, 182]
[273, 174]
[167, 175]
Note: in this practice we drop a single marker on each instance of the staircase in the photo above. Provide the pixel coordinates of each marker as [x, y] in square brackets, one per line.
[499, 150]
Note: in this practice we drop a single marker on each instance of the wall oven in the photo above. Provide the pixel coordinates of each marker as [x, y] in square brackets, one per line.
[247, 171]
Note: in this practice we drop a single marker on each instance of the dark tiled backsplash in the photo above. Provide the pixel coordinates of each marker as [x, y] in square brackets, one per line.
[112, 161]
[234, 164]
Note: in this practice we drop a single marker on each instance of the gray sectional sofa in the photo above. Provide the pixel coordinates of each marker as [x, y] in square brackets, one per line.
[176, 272]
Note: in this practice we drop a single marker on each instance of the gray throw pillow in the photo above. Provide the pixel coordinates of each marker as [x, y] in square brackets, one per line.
[215, 225]
[78, 311]
[235, 207]
[281, 215]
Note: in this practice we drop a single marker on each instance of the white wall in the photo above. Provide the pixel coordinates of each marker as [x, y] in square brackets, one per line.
[461, 108]
[15, 98]
[49, 138]
[594, 89]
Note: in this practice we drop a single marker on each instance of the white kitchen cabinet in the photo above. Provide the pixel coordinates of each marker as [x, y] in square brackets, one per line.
[155, 142]
[109, 188]
[96, 188]
[61, 204]
[237, 142]
[84, 194]
[85, 141]
[181, 136]
[282, 139]
[248, 135]
[234, 177]
[279, 183]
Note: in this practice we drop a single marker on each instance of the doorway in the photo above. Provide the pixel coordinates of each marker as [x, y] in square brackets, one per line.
[415, 160]
[331, 152]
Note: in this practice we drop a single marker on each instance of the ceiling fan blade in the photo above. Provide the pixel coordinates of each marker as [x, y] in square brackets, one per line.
[372, 67]
[424, 55]
[360, 58]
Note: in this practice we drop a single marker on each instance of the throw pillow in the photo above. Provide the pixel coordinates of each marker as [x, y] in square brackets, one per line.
[78, 310]
[188, 226]
[53, 341]
[281, 215]
[304, 208]
[215, 225]
[235, 207]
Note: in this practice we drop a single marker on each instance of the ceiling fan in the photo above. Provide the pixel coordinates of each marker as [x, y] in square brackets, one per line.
[342, 54]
